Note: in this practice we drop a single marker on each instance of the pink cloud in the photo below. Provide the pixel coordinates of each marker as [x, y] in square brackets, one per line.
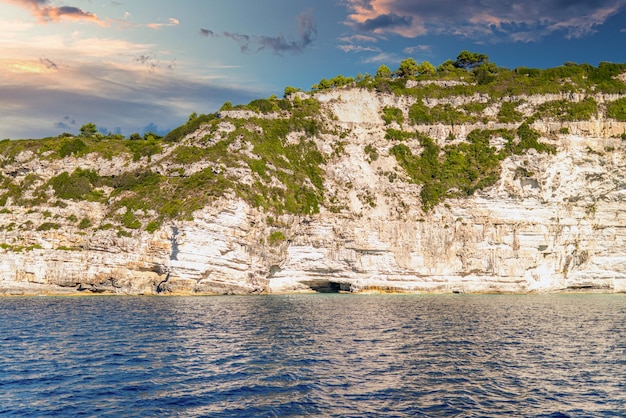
[172, 21]
[514, 20]
[44, 12]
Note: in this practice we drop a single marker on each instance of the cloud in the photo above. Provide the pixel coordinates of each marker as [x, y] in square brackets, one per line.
[278, 45]
[109, 95]
[111, 82]
[45, 12]
[153, 63]
[354, 44]
[242, 39]
[417, 49]
[46, 62]
[154, 128]
[385, 22]
[66, 124]
[357, 48]
[208, 32]
[172, 21]
[512, 20]
[383, 57]
[358, 38]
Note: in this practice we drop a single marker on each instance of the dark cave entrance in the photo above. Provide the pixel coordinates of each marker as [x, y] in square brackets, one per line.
[327, 286]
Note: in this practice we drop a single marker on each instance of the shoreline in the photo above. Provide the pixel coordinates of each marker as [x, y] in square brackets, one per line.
[18, 294]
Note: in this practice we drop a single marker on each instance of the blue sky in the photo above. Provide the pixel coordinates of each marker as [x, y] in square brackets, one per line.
[136, 65]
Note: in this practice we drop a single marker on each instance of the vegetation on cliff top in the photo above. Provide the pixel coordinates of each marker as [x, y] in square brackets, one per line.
[485, 77]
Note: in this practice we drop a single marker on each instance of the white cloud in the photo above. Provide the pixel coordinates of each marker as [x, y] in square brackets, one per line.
[172, 21]
[357, 48]
[417, 49]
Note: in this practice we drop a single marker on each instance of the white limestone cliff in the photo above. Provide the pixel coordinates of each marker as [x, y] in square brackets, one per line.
[561, 227]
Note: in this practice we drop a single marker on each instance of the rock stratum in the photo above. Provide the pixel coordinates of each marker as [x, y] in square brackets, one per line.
[235, 205]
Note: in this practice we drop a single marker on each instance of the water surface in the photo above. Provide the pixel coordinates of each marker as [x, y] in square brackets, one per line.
[314, 355]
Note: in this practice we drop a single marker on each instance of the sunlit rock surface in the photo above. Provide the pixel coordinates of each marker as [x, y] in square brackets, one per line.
[559, 227]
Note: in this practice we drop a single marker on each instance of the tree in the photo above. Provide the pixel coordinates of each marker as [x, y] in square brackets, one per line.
[383, 72]
[88, 129]
[470, 60]
[289, 90]
[446, 67]
[426, 68]
[407, 68]
[485, 73]
[323, 85]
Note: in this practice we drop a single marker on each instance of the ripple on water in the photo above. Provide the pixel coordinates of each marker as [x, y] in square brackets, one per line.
[314, 355]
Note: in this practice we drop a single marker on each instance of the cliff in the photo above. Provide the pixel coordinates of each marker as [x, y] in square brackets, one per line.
[326, 192]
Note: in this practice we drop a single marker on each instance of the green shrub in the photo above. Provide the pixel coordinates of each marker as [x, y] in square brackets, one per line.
[259, 167]
[72, 147]
[132, 180]
[336, 82]
[508, 113]
[289, 90]
[371, 152]
[396, 135]
[146, 148]
[392, 114]
[153, 226]
[187, 155]
[447, 114]
[85, 223]
[617, 109]
[276, 238]
[13, 191]
[529, 138]
[77, 186]
[461, 169]
[564, 110]
[130, 221]
[47, 226]
[192, 125]
[419, 114]
[264, 105]
[123, 234]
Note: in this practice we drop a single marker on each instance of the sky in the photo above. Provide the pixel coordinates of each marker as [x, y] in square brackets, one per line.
[146, 65]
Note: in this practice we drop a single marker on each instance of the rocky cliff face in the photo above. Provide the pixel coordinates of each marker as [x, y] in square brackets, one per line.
[551, 222]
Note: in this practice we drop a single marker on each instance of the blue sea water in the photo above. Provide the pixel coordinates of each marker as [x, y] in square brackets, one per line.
[314, 355]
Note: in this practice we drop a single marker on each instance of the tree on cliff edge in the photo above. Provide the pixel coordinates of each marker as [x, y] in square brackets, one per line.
[88, 129]
[470, 60]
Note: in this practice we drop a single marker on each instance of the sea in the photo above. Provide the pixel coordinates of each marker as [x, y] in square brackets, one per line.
[318, 355]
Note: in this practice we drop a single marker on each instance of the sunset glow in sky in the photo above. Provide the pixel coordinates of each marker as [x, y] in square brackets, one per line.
[138, 65]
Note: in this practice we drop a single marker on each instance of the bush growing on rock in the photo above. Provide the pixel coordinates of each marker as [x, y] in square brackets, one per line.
[76, 186]
[617, 109]
[74, 146]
